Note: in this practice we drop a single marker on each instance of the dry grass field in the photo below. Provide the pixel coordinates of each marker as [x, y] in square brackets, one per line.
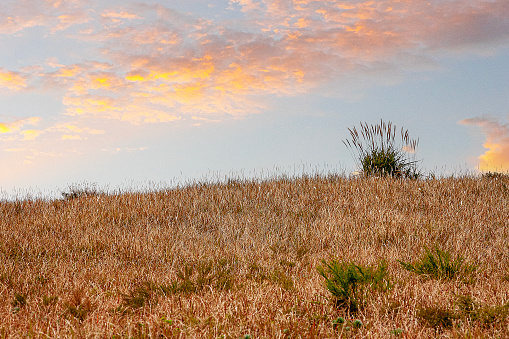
[240, 260]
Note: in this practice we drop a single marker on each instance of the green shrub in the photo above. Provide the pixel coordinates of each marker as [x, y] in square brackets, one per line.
[378, 153]
[47, 301]
[193, 278]
[439, 265]
[486, 315]
[282, 279]
[436, 317]
[348, 282]
[79, 305]
[139, 297]
[20, 300]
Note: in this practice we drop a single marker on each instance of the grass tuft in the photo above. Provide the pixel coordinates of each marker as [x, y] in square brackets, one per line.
[348, 282]
[79, 305]
[139, 297]
[436, 317]
[486, 315]
[193, 278]
[379, 154]
[438, 264]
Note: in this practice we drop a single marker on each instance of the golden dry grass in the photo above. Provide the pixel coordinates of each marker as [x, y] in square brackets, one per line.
[108, 266]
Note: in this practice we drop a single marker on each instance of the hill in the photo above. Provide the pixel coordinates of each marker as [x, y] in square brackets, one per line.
[240, 259]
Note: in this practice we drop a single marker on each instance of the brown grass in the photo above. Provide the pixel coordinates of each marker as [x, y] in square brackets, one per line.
[240, 258]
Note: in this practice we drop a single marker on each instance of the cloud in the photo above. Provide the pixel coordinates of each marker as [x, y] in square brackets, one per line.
[75, 129]
[118, 15]
[496, 157]
[17, 15]
[12, 80]
[17, 125]
[287, 48]
[30, 134]
[158, 65]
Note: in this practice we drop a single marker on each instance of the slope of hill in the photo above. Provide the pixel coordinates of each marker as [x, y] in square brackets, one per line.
[240, 259]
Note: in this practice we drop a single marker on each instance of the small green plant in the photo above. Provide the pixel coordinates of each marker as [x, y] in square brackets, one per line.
[166, 321]
[436, 317]
[139, 297]
[47, 301]
[282, 279]
[193, 278]
[79, 306]
[347, 281]
[378, 153]
[397, 332]
[20, 300]
[257, 273]
[486, 315]
[438, 264]
[338, 322]
[467, 308]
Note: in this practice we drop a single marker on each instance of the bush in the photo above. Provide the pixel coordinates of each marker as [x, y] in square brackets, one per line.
[486, 315]
[439, 265]
[378, 153]
[77, 191]
[193, 278]
[436, 317]
[347, 282]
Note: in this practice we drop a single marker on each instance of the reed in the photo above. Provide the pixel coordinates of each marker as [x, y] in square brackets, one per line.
[379, 153]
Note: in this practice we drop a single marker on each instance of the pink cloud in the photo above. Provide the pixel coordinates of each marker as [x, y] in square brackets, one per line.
[177, 62]
[158, 65]
[117, 15]
[16, 15]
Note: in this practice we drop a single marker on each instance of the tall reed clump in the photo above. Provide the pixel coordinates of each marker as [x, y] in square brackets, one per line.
[378, 152]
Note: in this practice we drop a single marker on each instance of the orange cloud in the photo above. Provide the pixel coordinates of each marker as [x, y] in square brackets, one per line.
[30, 134]
[119, 15]
[496, 157]
[15, 16]
[73, 128]
[16, 126]
[12, 80]
[160, 65]
[68, 72]
[290, 49]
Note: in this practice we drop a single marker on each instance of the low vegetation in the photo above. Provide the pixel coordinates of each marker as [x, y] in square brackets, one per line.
[379, 153]
[312, 257]
[351, 284]
[438, 264]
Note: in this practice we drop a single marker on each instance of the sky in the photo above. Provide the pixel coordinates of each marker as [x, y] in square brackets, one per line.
[128, 94]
